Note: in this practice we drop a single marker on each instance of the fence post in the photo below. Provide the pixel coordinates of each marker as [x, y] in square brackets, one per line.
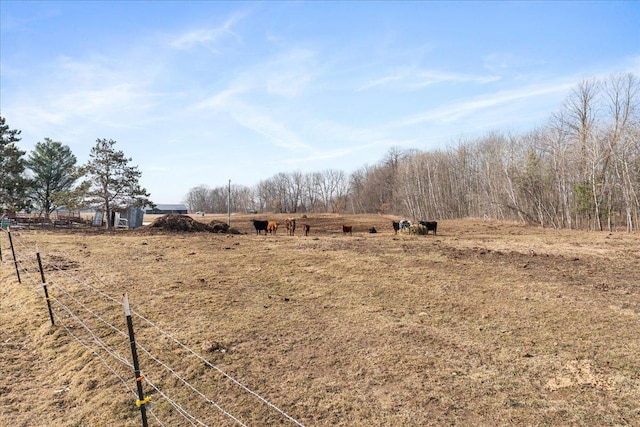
[142, 401]
[13, 252]
[44, 285]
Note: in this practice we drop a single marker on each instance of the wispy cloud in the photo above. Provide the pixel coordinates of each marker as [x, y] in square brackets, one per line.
[456, 111]
[208, 38]
[10, 22]
[382, 81]
[252, 117]
[264, 124]
[413, 78]
[223, 99]
[290, 73]
[503, 61]
[428, 78]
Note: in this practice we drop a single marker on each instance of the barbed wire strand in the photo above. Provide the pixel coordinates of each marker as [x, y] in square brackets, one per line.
[97, 316]
[223, 373]
[97, 340]
[185, 382]
[236, 382]
[193, 420]
[152, 413]
[102, 359]
[188, 349]
[165, 366]
[117, 357]
[79, 340]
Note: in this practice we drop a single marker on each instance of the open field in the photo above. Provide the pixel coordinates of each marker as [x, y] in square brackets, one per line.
[485, 324]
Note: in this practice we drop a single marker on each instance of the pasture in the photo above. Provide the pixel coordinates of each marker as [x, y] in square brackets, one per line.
[485, 324]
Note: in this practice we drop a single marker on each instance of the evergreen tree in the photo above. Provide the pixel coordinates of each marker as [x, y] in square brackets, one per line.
[54, 174]
[13, 183]
[111, 182]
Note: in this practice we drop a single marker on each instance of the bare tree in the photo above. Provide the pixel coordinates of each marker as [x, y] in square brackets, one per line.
[622, 94]
[197, 199]
[580, 112]
[333, 189]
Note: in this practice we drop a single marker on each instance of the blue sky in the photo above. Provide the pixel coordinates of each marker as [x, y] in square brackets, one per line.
[205, 92]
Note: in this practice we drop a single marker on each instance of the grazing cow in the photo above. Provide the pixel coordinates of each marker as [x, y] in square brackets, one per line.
[396, 226]
[373, 230]
[431, 225]
[260, 225]
[404, 225]
[347, 229]
[306, 229]
[290, 225]
[272, 227]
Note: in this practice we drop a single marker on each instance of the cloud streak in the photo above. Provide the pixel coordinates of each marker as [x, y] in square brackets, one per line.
[456, 111]
[411, 78]
[209, 38]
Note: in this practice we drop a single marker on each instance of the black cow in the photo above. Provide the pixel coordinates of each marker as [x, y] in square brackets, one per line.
[396, 226]
[260, 225]
[430, 225]
[373, 230]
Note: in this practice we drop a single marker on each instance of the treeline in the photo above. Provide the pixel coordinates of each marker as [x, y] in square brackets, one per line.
[49, 178]
[580, 169]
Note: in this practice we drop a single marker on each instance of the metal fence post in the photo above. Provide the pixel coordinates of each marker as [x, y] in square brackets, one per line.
[44, 285]
[142, 401]
[13, 252]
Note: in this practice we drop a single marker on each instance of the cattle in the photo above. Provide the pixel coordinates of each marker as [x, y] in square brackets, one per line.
[373, 230]
[431, 225]
[347, 229]
[272, 227]
[260, 225]
[306, 229]
[396, 226]
[290, 225]
[404, 225]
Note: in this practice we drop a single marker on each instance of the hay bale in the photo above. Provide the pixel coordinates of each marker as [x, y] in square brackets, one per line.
[218, 227]
[418, 229]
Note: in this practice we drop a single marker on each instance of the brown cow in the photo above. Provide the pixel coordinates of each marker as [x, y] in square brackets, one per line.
[306, 229]
[290, 225]
[272, 227]
[347, 229]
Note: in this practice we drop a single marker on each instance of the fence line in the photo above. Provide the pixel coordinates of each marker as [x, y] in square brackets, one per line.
[99, 342]
[114, 354]
[216, 368]
[185, 382]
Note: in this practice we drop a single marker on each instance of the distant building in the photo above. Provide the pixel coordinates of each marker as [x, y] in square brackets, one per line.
[167, 209]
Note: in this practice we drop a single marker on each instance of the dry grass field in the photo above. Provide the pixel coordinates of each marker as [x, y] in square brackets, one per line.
[485, 324]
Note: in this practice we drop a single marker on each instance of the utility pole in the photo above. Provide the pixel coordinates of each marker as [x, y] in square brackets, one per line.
[229, 204]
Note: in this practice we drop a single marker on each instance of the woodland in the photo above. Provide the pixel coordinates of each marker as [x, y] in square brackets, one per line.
[578, 170]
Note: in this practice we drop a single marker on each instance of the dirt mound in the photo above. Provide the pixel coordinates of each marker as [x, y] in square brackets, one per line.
[184, 223]
[221, 227]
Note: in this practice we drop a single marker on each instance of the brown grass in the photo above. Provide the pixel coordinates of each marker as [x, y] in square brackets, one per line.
[484, 324]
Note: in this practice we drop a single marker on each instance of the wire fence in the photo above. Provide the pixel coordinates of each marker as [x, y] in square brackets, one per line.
[182, 386]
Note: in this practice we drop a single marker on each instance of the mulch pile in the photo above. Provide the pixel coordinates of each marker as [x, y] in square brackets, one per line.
[184, 223]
